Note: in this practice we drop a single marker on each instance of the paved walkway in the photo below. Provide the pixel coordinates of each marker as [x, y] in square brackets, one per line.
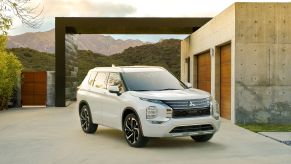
[283, 137]
[53, 135]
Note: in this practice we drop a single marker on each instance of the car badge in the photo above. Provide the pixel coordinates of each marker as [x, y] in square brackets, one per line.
[191, 104]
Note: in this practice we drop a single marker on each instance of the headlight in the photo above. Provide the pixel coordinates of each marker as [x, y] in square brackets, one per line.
[152, 100]
[151, 112]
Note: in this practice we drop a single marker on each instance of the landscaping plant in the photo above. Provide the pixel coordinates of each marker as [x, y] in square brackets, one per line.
[10, 70]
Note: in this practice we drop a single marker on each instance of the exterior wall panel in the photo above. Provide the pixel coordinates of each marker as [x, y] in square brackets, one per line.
[219, 31]
[260, 37]
[262, 44]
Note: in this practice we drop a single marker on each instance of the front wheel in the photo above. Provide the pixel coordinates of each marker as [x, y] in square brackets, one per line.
[132, 131]
[202, 138]
[86, 120]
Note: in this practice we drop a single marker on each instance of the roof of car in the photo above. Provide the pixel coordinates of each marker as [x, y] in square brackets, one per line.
[128, 68]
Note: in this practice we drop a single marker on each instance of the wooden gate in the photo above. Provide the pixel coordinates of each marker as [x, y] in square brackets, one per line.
[33, 88]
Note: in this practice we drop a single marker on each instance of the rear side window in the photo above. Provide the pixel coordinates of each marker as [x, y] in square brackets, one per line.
[100, 80]
[91, 78]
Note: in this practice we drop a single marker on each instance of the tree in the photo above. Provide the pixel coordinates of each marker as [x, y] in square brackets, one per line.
[26, 10]
[10, 69]
[10, 66]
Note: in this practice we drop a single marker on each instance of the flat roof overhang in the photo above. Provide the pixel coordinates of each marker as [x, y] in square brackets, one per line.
[112, 25]
[100, 25]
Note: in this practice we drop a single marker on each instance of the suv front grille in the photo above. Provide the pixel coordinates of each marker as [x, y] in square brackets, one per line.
[189, 108]
[192, 128]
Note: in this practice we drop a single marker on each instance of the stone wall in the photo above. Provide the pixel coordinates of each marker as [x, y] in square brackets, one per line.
[71, 69]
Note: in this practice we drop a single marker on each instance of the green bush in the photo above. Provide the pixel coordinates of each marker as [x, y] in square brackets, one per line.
[10, 69]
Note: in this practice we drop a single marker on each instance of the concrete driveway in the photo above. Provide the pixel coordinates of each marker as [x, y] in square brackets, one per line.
[53, 135]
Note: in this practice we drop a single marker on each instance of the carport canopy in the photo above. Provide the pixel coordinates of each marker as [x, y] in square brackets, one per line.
[111, 25]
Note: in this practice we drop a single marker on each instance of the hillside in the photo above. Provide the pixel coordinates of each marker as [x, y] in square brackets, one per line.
[45, 42]
[33, 60]
[165, 53]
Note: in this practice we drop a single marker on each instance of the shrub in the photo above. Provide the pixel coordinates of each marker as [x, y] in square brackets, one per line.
[10, 69]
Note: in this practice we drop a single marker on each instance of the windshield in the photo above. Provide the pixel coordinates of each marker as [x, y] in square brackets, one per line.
[151, 81]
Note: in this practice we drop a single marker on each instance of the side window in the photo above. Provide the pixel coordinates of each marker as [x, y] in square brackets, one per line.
[91, 78]
[114, 79]
[100, 80]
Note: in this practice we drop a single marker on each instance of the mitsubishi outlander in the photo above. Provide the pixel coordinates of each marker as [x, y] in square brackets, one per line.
[145, 102]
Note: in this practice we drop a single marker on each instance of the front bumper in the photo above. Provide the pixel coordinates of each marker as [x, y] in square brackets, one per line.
[164, 129]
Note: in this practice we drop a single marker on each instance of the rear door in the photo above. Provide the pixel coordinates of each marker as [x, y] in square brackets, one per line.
[91, 98]
[98, 91]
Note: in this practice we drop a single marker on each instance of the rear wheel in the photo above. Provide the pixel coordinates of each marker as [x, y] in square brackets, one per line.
[202, 138]
[133, 132]
[86, 120]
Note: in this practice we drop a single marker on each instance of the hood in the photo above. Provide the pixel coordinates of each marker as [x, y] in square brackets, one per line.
[171, 94]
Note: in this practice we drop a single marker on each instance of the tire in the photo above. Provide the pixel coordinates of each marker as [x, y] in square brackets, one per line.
[202, 138]
[133, 131]
[86, 120]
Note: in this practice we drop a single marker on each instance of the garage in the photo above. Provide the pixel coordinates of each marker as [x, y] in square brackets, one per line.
[250, 54]
[225, 81]
[204, 71]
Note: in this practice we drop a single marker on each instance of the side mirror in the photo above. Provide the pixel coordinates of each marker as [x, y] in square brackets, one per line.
[114, 89]
[189, 85]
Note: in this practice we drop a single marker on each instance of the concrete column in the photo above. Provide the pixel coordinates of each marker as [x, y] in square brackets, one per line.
[50, 98]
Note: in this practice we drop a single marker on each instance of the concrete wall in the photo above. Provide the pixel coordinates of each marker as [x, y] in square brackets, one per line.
[50, 98]
[260, 36]
[218, 31]
[263, 50]
[184, 54]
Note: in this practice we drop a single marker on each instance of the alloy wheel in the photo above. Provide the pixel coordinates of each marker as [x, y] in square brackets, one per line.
[132, 131]
[85, 118]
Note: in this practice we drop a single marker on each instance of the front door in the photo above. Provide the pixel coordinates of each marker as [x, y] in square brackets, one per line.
[113, 106]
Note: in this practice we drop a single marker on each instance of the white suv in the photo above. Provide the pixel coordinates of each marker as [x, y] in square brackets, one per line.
[145, 102]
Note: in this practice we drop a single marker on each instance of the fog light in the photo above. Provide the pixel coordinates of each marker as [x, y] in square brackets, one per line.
[151, 112]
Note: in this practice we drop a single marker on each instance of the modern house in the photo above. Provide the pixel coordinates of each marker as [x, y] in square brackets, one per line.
[242, 57]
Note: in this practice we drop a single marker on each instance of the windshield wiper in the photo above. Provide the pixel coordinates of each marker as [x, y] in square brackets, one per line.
[141, 90]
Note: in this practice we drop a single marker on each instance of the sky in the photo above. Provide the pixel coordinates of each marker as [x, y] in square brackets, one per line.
[127, 8]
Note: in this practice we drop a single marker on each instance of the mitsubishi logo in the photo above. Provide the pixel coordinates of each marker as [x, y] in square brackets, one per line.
[191, 104]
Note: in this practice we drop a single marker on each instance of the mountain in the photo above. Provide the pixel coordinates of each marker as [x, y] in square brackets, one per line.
[40, 41]
[165, 53]
[45, 42]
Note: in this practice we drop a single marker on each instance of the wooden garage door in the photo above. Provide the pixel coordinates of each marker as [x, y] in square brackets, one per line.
[225, 81]
[204, 72]
[33, 88]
